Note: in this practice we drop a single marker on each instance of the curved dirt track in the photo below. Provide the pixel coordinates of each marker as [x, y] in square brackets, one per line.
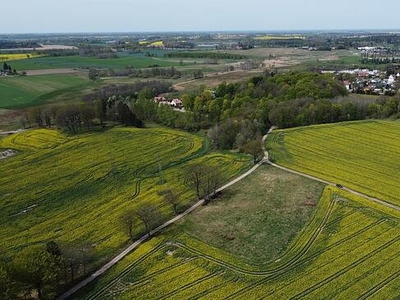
[376, 200]
[134, 245]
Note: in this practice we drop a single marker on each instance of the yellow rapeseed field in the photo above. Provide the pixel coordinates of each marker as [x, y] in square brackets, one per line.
[17, 56]
[360, 155]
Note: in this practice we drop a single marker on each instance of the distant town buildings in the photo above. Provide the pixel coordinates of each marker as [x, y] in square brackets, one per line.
[365, 81]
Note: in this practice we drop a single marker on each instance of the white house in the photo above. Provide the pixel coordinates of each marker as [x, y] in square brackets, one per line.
[177, 103]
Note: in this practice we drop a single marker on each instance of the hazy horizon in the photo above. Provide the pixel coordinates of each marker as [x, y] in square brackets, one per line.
[123, 16]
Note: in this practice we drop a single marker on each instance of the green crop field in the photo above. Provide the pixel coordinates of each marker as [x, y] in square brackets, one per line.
[349, 249]
[73, 189]
[29, 90]
[84, 62]
[359, 155]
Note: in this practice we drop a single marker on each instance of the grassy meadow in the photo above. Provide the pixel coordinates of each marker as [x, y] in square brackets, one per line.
[84, 62]
[348, 249]
[359, 155]
[22, 91]
[73, 189]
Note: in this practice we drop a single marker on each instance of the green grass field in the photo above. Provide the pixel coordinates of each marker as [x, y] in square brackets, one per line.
[17, 92]
[73, 189]
[251, 218]
[75, 61]
[349, 249]
[360, 155]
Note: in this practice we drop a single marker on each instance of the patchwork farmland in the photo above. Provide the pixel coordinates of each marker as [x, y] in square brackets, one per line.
[73, 189]
[348, 248]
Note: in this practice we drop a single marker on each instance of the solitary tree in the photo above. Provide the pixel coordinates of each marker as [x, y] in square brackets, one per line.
[127, 220]
[150, 216]
[253, 148]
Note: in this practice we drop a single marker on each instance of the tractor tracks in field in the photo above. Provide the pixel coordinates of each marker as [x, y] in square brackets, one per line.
[138, 242]
[373, 199]
[268, 275]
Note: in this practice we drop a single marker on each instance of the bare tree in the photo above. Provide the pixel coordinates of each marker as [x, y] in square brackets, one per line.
[204, 178]
[171, 197]
[211, 181]
[127, 220]
[194, 177]
[150, 216]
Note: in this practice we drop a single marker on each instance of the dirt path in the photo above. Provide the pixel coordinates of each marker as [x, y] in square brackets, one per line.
[120, 256]
[124, 253]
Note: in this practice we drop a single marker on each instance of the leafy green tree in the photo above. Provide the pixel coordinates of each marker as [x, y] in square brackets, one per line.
[38, 270]
[253, 147]
[8, 287]
[146, 94]
[100, 107]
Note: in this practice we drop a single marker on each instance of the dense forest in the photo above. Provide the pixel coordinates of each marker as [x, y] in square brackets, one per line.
[234, 114]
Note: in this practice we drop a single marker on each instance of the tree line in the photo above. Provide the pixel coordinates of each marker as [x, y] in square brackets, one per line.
[129, 90]
[203, 178]
[154, 72]
[200, 54]
[236, 114]
[76, 118]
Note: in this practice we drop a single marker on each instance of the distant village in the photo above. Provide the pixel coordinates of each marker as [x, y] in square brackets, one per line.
[365, 81]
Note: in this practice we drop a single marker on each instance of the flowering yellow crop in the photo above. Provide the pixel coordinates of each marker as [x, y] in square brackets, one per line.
[17, 56]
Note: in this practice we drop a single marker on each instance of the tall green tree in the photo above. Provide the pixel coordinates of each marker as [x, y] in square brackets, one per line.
[38, 270]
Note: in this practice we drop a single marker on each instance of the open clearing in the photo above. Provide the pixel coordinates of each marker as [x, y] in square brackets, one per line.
[349, 249]
[73, 189]
[362, 156]
[291, 57]
[258, 217]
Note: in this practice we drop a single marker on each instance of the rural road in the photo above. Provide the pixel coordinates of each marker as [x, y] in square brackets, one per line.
[124, 253]
[134, 245]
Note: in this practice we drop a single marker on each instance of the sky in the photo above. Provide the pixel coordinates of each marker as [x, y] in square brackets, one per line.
[67, 16]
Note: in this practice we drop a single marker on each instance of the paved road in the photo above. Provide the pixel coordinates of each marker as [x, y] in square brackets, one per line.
[124, 253]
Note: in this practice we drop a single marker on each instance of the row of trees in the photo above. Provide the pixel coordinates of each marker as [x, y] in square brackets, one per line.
[152, 87]
[203, 178]
[204, 54]
[155, 72]
[76, 118]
